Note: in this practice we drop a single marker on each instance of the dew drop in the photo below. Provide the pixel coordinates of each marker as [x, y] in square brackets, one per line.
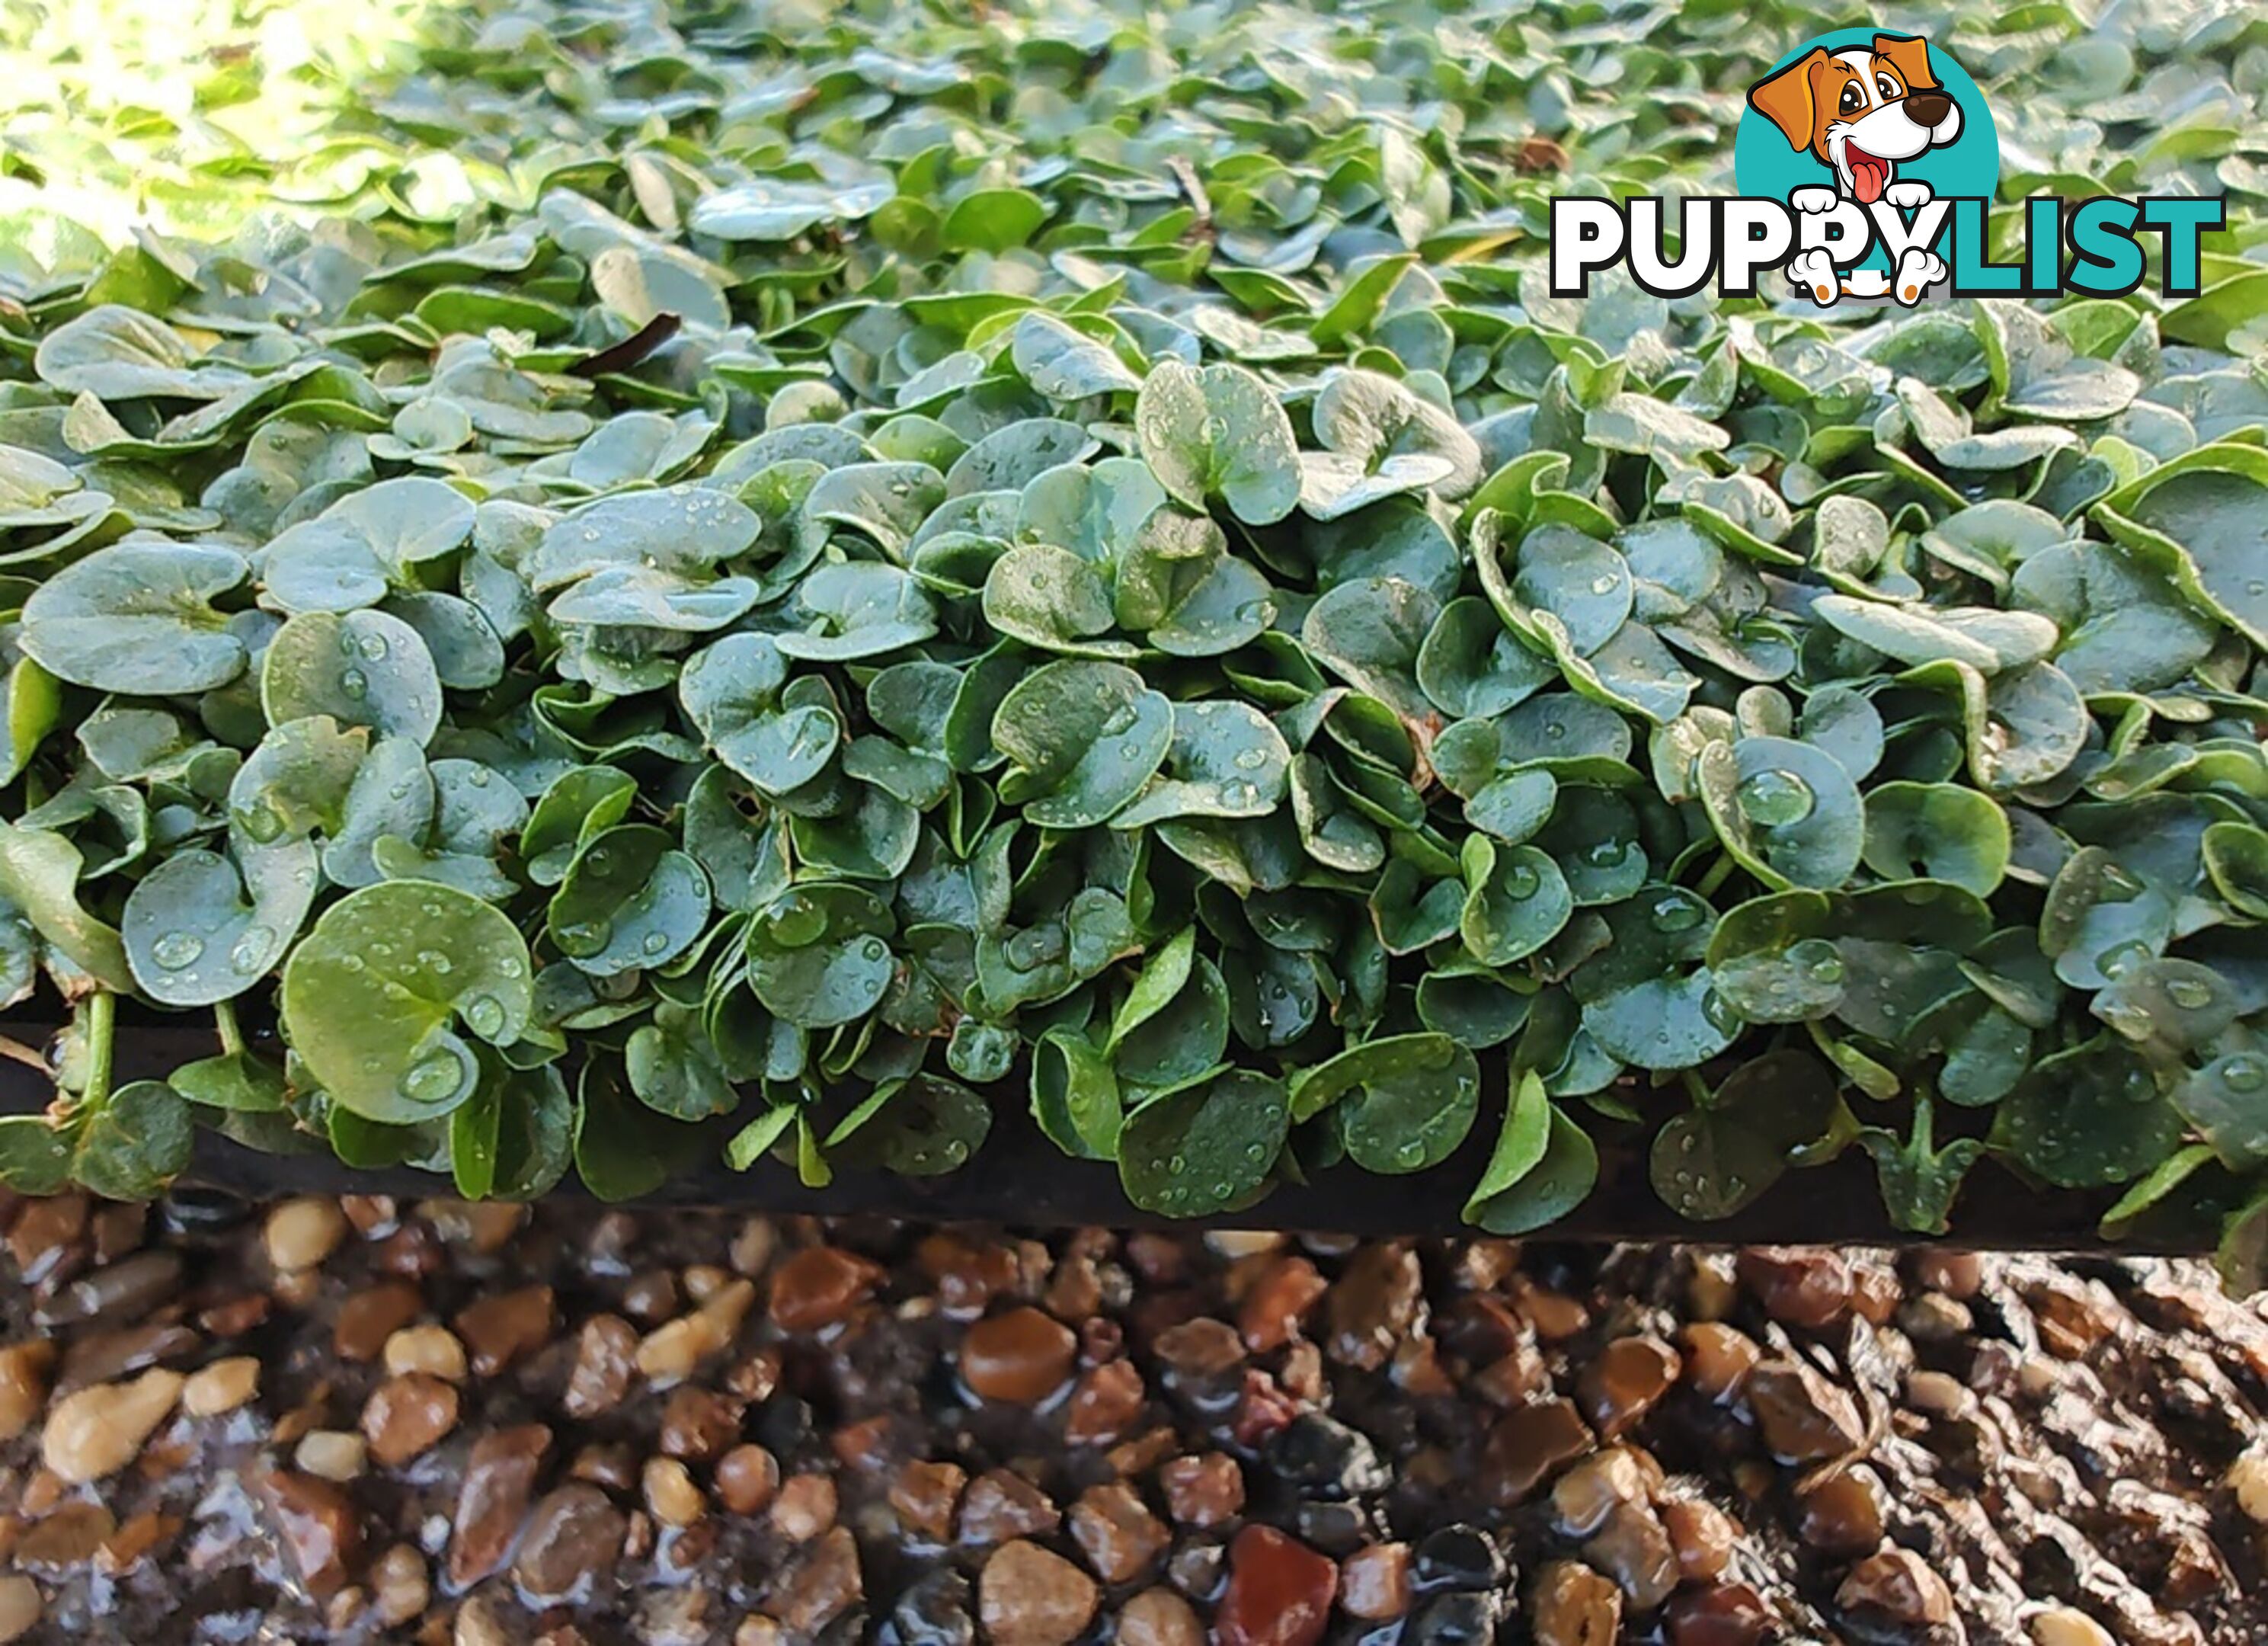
[2190, 994]
[1035, 946]
[249, 954]
[1673, 915]
[1178, 1163]
[2121, 958]
[1819, 960]
[584, 938]
[1604, 583]
[2244, 1072]
[1773, 799]
[1250, 760]
[1120, 719]
[433, 1079]
[1719, 1012]
[795, 921]
[262, 822]
[373, 646]
[484, 1015]
[1520, 883]
[173, 950]
[654, 942]
[354, 685]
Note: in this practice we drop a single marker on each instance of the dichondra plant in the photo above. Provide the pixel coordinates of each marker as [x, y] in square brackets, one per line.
[914, 568]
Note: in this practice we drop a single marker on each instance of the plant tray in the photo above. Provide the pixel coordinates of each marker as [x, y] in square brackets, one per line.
[1020, 1176]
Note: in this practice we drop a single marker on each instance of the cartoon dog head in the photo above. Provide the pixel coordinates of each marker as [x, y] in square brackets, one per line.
[1861, 111]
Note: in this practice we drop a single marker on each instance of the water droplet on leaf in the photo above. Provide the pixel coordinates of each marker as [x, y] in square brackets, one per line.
[1773, 799]
[173, 950]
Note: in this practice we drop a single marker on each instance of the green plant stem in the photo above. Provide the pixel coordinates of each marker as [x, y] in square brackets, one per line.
[1718, 873]
[100, 1024]
[231, 1037]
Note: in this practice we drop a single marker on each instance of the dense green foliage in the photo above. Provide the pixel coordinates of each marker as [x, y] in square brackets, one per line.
[841, 569]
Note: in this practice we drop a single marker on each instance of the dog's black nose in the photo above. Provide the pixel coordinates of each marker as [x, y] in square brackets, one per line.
[1928, 109]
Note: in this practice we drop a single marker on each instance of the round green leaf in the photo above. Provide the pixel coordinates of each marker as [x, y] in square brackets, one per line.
[1204, 1151]
[359, 668]
[630, 900]
[139, 618]
[1787, 811]
[373, 995]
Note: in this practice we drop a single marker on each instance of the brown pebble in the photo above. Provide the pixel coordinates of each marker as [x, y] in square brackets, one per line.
[1204, 1491]
[1374, 1582]
[1198, 1350]
[1279, 1592]
[24, 1369]
[1529, 1445]
[1116, 1532]
[1633, 1548]
[606, 1355]
[1897, 1586]
[1803, 1417]
[1806, 1287]
[98, 1431]
[1728, 1614]
[1159, 1617]
[317, 1526]
[968, 1275]
[1718, 1359]
[1274, 1310]
[1021, 1356]
[568, 1551]
[20, 1607]
[1841, 1514]
[500, 1329]
[1001, 1504]
[804, 1507]
[820, 1287]
[1586, 1494]
[69, 1536]
[1703, 1537]
[924, 1496]
[1373, 1304]
[821, 1585]
[1960, 1276]
[498, 1478]
[1106, 1404]
[1624, 1380]
[1555, 1316]
[1573, 1606]
[1028, 1597]
[406, 1415]
[371, 1315]
[699, 1424]
[748, 1479]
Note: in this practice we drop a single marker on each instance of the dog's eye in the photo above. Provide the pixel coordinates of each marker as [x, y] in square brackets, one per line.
[1887, 87]
[1852, 98]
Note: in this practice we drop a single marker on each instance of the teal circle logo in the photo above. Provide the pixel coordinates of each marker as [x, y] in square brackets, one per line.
[1861, 110]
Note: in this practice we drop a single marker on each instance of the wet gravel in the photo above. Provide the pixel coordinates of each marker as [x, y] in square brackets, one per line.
[360, 1421]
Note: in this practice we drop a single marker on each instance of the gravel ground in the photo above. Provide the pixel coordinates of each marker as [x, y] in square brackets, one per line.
[356, 1420]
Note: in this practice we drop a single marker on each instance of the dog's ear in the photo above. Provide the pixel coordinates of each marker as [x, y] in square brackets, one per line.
[1788, 98]
[1910, 58]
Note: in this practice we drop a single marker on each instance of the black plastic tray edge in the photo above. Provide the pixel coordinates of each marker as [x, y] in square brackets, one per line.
[1020, 1176]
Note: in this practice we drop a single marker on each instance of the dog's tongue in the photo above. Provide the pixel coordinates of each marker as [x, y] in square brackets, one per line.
[1868, 176]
